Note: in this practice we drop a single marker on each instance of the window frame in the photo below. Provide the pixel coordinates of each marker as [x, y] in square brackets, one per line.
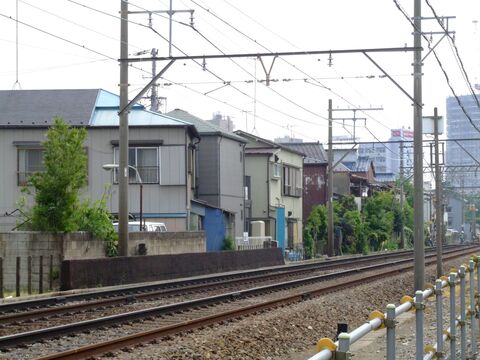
[24, 173]
[134, 179]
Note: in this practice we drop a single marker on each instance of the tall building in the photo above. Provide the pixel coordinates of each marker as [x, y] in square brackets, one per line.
[386, 157]
[463, 153]
[223, 122]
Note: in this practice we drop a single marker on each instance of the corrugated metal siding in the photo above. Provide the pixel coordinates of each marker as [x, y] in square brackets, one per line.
[208, 168]
[172, 165]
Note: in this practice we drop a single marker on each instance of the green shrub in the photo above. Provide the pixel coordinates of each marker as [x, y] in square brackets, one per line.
[228, 243]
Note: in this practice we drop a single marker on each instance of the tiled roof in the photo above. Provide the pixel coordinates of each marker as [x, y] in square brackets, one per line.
[78, 107]
[314, 152]
[203, 127]
[385, 177]
[39, 107]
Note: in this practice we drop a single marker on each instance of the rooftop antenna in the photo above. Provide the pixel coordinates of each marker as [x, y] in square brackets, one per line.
[16, 85]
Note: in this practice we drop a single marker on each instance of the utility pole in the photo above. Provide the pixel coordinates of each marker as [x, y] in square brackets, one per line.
[330, 229]
[419, 246]
[402, 231]
[154, 95]
[123, 142]
[438, 197]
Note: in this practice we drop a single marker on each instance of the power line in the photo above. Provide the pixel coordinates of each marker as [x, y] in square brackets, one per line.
[441, 68]
[264, 47]
[458, 57]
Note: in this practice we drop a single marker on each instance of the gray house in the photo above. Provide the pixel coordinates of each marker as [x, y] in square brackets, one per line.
[221, 168]
[274, 189]
[161, 148]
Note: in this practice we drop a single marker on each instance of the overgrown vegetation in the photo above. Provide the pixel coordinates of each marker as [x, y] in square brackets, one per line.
[376, 227]
[228, 243]
[56, 191]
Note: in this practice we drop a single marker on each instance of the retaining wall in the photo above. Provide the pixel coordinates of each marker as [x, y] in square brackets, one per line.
[80, 245]
[124, 270]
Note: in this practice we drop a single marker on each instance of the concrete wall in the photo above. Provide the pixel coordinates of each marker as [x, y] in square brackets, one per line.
[168, 243]
[80, 245]
[133, 269]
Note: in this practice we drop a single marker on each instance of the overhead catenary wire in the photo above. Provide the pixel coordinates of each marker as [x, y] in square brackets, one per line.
[441, 68]
[457, 53]
[209, 11]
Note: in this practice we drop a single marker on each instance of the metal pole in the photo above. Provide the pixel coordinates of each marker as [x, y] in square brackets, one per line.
[419, 247]
[463, 330]
[330, 246]
[438, 198]
[478, 289]
[418, 304]
[453, 320]
[390, 324]
[343, 351]
[123, 164]
[170, 14]
[141, 206]
[439, 309]
[402, 231]
[473, 322]
[154, 95]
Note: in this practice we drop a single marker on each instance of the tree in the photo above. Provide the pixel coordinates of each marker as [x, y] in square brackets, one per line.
[315, 231]
[57, 188]
[56, 191]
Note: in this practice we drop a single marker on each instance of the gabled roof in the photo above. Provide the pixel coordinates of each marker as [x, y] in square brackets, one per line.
[204, 127]
[314, 151]
[265, 142]
[385, 177]
[362, 165]
[341, 168]
[39, 107]
[78, 107]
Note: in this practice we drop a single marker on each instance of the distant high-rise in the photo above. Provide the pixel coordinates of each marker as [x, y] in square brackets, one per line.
[460, 128]
[223, 122]
[386, 157]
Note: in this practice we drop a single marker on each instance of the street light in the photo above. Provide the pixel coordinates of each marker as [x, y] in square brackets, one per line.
[110, 167]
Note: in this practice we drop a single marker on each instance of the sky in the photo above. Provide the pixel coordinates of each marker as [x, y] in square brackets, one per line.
[68, 44]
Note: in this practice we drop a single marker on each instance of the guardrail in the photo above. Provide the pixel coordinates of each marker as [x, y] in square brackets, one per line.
[327, 349]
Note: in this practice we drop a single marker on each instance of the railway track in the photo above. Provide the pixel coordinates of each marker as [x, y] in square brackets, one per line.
[175, 318]
[145, 297]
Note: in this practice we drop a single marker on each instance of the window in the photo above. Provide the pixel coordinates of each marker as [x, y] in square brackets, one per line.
[292, 181]
[145, 160]
[277, 170]
[30, 161]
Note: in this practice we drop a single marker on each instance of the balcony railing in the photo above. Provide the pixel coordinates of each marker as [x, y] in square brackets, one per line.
[148, 174]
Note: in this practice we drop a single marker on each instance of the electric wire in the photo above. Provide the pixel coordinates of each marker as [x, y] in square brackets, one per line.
[458, 57]
[441, 68]
[209, 11]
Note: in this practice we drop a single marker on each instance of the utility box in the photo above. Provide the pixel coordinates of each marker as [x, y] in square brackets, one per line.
[258, 228]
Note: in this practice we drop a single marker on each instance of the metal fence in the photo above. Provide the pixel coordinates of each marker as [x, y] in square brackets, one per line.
[252, 242]
[445, 338]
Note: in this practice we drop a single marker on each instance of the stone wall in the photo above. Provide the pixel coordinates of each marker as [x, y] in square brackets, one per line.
[57, 247]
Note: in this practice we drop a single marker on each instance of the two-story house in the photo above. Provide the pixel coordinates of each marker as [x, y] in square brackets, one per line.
[274, 181]
[161, 148]
[220, 173]
[314, 174]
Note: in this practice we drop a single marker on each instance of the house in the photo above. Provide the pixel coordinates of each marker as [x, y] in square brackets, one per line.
[314, 174]
[220, 172]
[162, 149]
[274, 180]
[362, 176]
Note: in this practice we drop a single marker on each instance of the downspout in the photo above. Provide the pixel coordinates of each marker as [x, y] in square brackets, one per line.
[187, 183]
[219, 197]
[268, 187]
[245, 227]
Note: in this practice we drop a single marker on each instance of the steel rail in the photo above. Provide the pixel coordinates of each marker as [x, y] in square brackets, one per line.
[41, 334]
[177, 283]
[199, 287]
[134, 339]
